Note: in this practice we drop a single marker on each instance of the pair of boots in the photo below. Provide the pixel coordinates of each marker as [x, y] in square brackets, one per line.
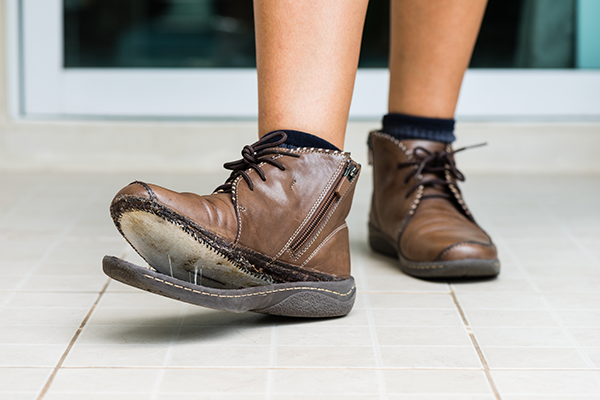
[273, 238]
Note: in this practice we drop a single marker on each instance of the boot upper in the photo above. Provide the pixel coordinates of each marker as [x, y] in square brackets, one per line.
[418, 205]
[296, 215]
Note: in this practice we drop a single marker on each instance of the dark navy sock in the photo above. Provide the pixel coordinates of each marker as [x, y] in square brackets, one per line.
[302, 139]
[405, 127]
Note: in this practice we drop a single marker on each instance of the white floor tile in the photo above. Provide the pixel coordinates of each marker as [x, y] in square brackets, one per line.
[65, 283]
[225, 335]
[89, 355]
[212, 382]
[41, 334]
[325, 356]
[328, 396]
[405, 339]
[586, 336]
[138, 299]
[410, 300]
[494, 301]
[211, 396]
[36, 316]
[402, 283]
[510, 318]
[443, 396]
[325, 381]
[430, 357]
[30, 355]
[52, 300]
[498, 285]
[547, 382]
[572, 285]
[575, 301]
[551, 397]
[26, 381]
[534, 357]
[135, 316]
[423, 336]
[189, 355]
[593, 353]
[580, 318]
[415, 317]
[329, 335]
[127, 334]
[104, 381]
[97, 396]
[441, 382]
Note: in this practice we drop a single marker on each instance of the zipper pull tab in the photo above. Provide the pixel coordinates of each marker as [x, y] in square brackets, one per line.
[349, 174]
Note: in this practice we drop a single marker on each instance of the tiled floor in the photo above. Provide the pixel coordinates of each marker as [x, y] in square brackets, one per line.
[67, 332]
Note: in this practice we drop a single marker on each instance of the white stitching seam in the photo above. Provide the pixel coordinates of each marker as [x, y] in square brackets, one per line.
[332, 234]
[395, 141]
[323, 224]
[425, 266]
[312, 210]
[250, 294]
[416, 201]
[237, 211]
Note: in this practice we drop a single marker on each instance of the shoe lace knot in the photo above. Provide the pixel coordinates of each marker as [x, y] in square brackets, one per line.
[439, 164]
[253, 155]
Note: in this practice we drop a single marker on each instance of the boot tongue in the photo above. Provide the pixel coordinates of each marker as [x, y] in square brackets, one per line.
[432, 147]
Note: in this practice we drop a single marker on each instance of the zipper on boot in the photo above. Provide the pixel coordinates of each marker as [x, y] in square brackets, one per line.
[331, 199]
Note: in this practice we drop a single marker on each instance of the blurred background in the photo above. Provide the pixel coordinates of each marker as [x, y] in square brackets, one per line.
[219, 34]
[151, 84]
[95, 94]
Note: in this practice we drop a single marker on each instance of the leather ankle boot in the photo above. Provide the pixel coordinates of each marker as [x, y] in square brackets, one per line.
[272, 239]
[418, 213]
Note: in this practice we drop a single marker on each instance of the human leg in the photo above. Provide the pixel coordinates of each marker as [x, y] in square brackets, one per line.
[273, 237]
[430, 47]
[307, 54]
[418, 213]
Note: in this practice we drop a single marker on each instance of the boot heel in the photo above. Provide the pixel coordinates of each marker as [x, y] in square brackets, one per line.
[380, 244]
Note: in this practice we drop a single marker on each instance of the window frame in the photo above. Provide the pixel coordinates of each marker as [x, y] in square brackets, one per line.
[40, 87]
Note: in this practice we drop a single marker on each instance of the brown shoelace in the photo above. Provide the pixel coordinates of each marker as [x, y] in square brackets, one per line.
[252, 156]
[436, 163]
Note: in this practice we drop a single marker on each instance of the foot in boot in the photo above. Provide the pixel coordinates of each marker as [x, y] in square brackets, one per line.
[272, 238]
[418, 213]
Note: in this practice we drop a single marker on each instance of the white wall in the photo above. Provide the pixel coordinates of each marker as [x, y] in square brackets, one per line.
[63, 145]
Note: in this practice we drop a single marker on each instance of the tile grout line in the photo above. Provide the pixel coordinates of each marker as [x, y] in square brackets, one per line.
[72, 343]
[381, 384]
[168, 355]
[543, 296]
[552, 312]
[32, 193]
[486, 368]
[51, 247]
[572, 237]
[272, 363]
[548, 307]
[393, 346]
[339, 368]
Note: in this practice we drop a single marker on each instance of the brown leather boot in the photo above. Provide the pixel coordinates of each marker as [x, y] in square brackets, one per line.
[418, 213]
[272, 239]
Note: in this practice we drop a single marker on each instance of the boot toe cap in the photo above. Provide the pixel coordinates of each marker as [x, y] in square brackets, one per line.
[135, 189]
[469, 251]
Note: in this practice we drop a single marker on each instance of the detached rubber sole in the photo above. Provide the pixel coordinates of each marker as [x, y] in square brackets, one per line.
[296, 299]
[469, 268]
[171, 250]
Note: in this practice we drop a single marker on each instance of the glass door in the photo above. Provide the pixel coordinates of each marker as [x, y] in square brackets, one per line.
[195, 59]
